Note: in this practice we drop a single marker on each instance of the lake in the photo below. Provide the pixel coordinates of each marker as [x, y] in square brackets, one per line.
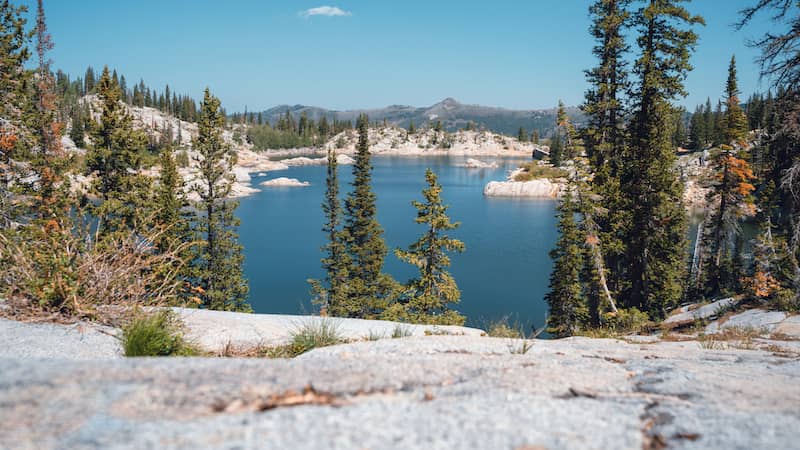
[503, 273]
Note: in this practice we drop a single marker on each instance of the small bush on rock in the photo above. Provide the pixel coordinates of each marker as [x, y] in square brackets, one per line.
[155, 334]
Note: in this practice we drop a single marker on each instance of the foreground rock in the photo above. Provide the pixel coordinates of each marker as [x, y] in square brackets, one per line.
[413, 393]
[46, 340]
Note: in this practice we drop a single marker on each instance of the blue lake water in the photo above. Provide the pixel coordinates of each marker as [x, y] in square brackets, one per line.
[503, 273]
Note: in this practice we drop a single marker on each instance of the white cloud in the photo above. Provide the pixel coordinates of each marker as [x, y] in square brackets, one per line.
[329, 11]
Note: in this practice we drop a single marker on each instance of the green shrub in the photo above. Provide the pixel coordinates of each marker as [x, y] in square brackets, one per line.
[501, 329]
[401, 331]
[534, 171]
[155, 334]
[629, 320]
[314, 334]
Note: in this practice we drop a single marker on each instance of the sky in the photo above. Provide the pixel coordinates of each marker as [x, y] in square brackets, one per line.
[349, 54]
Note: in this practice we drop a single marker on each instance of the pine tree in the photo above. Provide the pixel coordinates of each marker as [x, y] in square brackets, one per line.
[369, 290]
[14, 86]
[411, 128]
[568, 309]
[697, 129]
[735, 119]
[220, 259]
[332, 295]
[115, 158]
[656, 239]
[171, 203]
[605, 132]
[534, 137]
[522, 135]
[556, 149]
[730, 190]
[603, 105]
[426, 298]
[89, 80]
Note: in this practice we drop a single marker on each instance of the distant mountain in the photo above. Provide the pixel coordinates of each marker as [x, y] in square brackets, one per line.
[453, 114]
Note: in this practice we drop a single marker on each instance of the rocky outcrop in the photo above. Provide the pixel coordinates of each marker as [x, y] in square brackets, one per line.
[473, 163]
[285, 182]
[306, 161]
[412, 393]
[753, 319]
[397, 141]
[541, 188]
[687, 315]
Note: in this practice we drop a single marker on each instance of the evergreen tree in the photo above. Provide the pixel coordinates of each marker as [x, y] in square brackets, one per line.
[171, 203]
[411, 128]
[220, 260]
[656, 239]
[336, 262]
[556, 149]
[426, 298]
[568, 310]
[50, 163]
[730, 190]
[605, 132]
[369, 290]
[534, 137]
[115, 157]
[14, 87]
[697, 129]
[522, 135]
[77, 131]
[89, 80]
[735, 119]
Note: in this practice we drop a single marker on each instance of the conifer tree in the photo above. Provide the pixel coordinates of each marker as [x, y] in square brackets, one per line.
[426, 298]
[220, 260]
[411, 128]
[556, 149]
[14, 86]
[568, 309]
[730, 190]
[605, 132]
[369, 289]
[115, 157]
[656, 239]
[522, 135]
[534, 136]
[170, 204]
[333, 295]
[735, 119]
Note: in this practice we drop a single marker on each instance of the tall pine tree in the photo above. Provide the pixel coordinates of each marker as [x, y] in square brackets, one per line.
[656, 239]
[332, 295]
[735, 119]
[220, 260]
[369, 289]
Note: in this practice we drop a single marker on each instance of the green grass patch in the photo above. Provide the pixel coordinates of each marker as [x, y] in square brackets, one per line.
[155, 334]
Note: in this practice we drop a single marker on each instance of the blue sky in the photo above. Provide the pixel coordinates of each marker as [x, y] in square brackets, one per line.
[520, 54]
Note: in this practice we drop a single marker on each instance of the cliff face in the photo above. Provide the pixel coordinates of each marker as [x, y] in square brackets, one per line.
[418, 392]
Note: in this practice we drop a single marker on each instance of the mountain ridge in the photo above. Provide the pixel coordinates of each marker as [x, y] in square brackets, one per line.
[452, 113]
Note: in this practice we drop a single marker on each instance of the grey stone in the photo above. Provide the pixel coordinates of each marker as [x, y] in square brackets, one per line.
[47, 340]
[687, 315]
[214, 330]
[436, 392]
[789, 327]
[755, 319]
